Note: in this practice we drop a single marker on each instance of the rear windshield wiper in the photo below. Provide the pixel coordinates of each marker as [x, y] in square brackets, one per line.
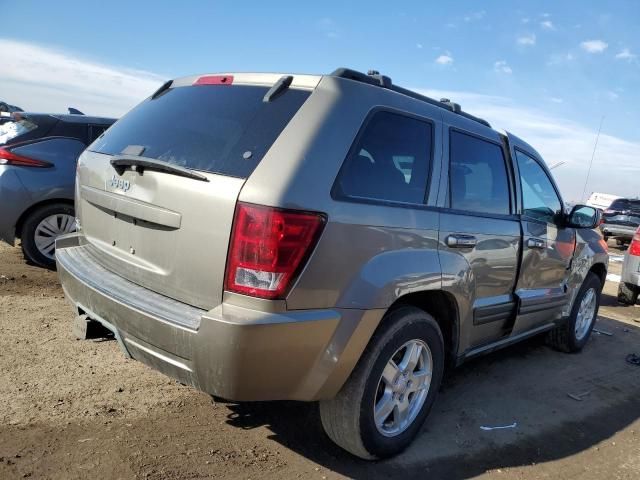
[139, 164]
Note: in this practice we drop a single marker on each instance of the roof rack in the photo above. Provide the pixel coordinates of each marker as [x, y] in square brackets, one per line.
[373, 77]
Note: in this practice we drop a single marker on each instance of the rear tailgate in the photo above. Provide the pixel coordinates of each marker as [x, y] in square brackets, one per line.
[167, 232]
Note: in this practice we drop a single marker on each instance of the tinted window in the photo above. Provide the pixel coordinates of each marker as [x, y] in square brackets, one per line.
[52, 150]
[390, 161]
[478, 176]
[95, 131]
[221, 129]
[73, 130]
[539, 198]
[623, 204]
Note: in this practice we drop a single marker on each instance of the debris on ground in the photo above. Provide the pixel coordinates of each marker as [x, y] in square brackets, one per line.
[578, 396]
[603, 332]
[513, 425]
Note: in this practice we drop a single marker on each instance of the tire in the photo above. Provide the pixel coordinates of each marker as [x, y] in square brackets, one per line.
[628, 293]
[565, 337]
[41, 256]
[348, 419]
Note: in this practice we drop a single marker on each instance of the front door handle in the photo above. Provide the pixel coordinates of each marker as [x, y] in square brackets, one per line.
[535, 243]
[461, 241]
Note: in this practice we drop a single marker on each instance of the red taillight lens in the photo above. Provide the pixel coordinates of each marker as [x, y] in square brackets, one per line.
[10, 158]
[267, 248]
[634, 248]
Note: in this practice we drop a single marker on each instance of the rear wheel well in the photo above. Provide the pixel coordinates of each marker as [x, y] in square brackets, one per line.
[601, 272]
[35, 207]
[443, 308]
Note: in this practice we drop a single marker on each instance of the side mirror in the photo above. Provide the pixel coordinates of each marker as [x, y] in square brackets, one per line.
[582, 216]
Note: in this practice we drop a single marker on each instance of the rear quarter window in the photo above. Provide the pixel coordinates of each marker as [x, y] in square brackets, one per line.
[23, 127]
[390, 160]
[212, 128]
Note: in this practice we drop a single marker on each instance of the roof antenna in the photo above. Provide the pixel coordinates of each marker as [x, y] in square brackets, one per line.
[584, 190]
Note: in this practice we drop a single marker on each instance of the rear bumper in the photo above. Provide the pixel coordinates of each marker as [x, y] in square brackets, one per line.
[231, 351]
[621, 231]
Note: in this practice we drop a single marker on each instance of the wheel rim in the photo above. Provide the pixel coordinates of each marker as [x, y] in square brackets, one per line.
[49, 229]
[586, 314]
[403, 388]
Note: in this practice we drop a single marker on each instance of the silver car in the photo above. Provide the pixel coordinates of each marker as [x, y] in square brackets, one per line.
[330, 238]
[629, 287]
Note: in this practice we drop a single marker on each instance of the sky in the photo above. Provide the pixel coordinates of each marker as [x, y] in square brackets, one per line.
[547, 71]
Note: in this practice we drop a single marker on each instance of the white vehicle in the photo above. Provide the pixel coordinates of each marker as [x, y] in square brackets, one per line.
[601, 200]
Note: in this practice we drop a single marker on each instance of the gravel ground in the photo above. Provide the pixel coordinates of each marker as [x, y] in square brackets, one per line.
[78, 409]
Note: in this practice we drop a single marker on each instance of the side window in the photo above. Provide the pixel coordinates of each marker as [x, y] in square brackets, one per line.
[52, 150]
[477, 176]
[539, 198]
[390, 161]
[73, 130]
[95, 131]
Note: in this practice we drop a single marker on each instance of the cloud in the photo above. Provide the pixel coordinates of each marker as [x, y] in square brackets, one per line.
[501, 66]
[625, 54]
[328, 27]
[43, 79]
[419, 45]
[527, 40]
[594, 46]
[475, 16]
[560, 58]
[612, 96]
[547, 25]
[560, 140]
[555, 100]
[445, 59]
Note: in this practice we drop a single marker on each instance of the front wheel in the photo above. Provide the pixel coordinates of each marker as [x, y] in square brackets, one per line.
[573, 335]
[389, 394]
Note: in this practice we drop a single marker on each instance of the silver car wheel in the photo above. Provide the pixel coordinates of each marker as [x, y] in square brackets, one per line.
[586, 314]
[403, 388]
[49, 229]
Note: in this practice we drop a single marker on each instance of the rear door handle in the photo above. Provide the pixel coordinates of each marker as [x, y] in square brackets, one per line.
[461, 241]
[535, 243]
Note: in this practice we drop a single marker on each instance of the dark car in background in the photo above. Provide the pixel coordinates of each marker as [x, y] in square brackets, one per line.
[38, 154]
[621, 220]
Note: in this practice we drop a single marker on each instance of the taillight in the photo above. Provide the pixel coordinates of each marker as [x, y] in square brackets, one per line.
[214, 80]
[634, 248]
[268, 248]
[9, 158]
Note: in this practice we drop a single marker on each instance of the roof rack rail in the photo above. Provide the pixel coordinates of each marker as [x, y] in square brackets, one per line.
[373, 77]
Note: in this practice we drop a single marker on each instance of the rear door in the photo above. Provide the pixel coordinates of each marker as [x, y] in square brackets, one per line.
[480, 233]
[166, 232]
[548, 246]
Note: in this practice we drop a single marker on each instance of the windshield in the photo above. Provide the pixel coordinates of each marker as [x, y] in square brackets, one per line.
[219, 129]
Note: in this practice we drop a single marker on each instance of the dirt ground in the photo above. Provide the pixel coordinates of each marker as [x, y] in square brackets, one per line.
[79, 409]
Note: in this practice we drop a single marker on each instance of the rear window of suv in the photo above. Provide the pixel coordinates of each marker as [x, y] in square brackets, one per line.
[622, 204]
[212, 128]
